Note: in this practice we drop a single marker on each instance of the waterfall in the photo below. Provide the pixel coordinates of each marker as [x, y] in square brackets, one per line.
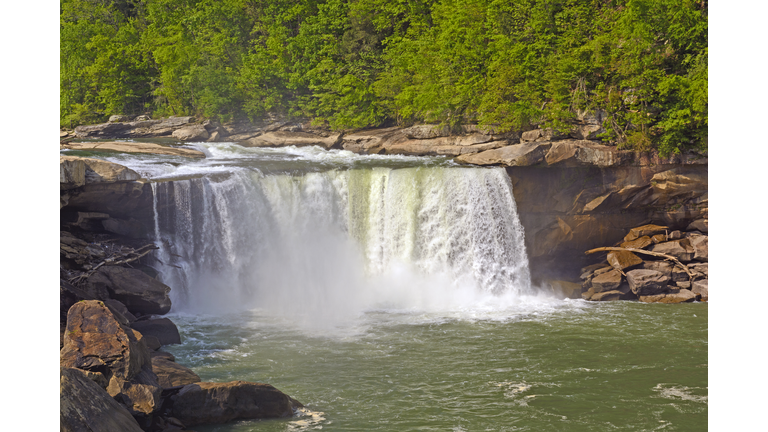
[325, 244]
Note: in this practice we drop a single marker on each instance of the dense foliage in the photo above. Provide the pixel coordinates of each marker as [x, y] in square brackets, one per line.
[357, 63]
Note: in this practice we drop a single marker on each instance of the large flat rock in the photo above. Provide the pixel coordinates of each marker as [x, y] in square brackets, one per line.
[135, 147]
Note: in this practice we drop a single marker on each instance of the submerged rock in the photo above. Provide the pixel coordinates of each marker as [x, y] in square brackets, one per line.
[209, 403]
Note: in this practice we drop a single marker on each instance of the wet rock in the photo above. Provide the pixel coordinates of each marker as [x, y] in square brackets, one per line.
[84, 406]
[680, 249]
[701, 289]
[140, 293]
[644, 282]
[161, 328]
[195, 132]
[673, 296]
[209, 403]
[607, 281]
[623, 260]
[645, 230]
[171, 374]
[162, 354]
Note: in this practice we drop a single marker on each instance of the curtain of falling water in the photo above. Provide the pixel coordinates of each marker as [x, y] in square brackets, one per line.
[322, 245]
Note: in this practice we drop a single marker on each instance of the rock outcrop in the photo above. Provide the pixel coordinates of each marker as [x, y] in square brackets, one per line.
[146, 148]
[171, 374]
[139, 292]
[207, 403]
[662, 272]
[163, 329]
[85, 406]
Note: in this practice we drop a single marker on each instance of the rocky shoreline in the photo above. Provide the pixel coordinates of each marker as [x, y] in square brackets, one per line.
[114, 375]
[573, 193]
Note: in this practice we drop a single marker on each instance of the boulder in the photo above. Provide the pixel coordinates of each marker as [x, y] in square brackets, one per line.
[171, 374]
[77, 171]
[699, 270]
[645, 282]
[195, 132]
[680, 249]
[701, 247]
[141, 394]
[95, 340]
[161, 328]
[623, 292]
[127, 228]
[298, 139]
[701, 289]
[209, 403]
[426, 131]
[699, 225]
[607, 281]
[645, 230]
[639, 243]
[84, 406]
[665, 267]
[525, 154]
[139, 292]
[152, 342]
[659, 238]
[120, 312]
[623, 259]
[675, 235]
[162, 354]
[119, 118]
[370, 141]
[673, 296]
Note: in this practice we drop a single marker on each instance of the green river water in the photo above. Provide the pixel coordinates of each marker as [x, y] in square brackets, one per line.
[570, 366]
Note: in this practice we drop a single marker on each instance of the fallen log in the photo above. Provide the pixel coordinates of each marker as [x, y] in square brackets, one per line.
[667, 257]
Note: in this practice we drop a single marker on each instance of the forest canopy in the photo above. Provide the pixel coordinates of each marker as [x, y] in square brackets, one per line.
[350, 64]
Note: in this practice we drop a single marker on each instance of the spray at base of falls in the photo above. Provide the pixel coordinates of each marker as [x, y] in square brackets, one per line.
[323, 247]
